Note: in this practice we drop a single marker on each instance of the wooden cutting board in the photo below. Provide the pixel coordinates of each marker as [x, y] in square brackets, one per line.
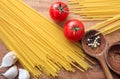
[96, 72]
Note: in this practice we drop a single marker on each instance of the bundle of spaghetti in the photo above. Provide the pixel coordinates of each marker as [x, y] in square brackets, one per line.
[108, 26]
[95, 9]
[38, 42]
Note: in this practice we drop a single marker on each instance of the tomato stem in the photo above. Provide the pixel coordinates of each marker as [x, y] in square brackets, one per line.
[61, 9]
[75, 29]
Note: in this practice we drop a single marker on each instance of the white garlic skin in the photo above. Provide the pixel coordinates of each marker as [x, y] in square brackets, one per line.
[9, 59]
[11, 73]
[23, 74]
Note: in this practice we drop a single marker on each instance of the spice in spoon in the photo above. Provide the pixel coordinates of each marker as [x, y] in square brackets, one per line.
[94, 42]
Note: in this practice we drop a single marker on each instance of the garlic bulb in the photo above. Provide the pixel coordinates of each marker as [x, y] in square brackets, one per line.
[11, 73]
[23, 74]
[9, 59]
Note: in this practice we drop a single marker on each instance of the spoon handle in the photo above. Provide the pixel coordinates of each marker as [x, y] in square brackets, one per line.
[105, 68]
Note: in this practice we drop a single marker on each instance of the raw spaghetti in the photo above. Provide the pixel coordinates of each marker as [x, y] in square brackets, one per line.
[39, 43]
[95, 9]
[108, 26]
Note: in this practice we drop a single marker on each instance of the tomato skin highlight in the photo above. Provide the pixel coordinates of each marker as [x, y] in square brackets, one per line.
[59, 11]
[74, 30]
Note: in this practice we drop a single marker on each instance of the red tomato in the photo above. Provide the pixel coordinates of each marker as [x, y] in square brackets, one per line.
[59, 11]
[74, 30]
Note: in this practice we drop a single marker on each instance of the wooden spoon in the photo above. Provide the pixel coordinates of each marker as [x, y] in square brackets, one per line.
[98, 52]
[113, 57]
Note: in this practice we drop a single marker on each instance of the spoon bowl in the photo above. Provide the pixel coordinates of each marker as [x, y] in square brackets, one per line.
[98, 50]
[113, 57]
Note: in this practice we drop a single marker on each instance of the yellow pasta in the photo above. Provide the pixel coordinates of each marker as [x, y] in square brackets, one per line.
[107, 26]
[39, 43]
[95, 9]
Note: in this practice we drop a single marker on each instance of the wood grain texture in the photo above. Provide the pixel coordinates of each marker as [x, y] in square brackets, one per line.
[96, 72]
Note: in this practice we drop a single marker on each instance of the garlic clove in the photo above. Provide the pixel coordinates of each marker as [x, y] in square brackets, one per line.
[11, 73]
[23, 74]
[9, 59]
